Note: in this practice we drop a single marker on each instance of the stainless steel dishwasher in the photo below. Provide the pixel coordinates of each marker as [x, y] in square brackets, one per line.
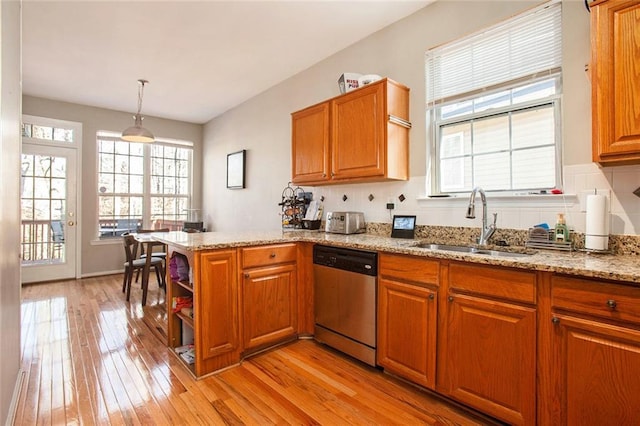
[345, 300]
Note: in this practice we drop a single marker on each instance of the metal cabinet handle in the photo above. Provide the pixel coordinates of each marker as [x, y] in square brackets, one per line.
[555, 320]
[612, 303]
[247, 275]
[432, 296]
[450, 298]
[272, 255]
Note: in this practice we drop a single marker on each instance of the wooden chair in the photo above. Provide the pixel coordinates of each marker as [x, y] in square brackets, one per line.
[134, 263]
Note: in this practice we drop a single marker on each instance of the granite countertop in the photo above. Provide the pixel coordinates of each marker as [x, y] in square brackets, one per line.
[604, 266]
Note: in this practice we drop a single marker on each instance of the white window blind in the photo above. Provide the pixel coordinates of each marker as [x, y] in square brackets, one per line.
[493, 102]
[527, 46]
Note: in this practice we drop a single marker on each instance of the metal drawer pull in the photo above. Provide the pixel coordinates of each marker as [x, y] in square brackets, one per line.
[431, 297]
[400, 121]
[555, 320]
[272, 255]
[612, 303]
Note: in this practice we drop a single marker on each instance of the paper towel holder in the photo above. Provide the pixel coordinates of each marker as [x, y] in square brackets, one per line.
[637, 192]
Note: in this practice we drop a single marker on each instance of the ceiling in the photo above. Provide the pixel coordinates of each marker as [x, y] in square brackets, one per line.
[201, 58]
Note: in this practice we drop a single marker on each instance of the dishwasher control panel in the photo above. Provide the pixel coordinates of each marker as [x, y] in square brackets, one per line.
[359, 261]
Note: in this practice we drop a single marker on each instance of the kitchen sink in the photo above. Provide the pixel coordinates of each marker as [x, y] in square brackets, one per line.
[472, 249]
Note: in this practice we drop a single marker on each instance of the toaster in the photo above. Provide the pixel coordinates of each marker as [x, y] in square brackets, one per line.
[345, 222]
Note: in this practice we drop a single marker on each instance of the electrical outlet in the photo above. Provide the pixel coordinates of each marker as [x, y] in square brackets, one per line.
[390, 206]
[582, 197]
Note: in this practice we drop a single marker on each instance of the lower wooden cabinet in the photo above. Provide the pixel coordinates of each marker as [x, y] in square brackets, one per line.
[269, 308]
[216, 311]
[407, 320]
[599, 373]
[488, 357]
[596, 347]
[269, 295]
[209, 338]
[487, 346]
[407, 317]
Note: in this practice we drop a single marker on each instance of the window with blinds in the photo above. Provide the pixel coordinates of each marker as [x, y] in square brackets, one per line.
[493, 106]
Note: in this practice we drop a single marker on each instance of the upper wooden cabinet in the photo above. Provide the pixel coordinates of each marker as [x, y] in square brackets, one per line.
[615, 80]
[310, 147]
[362, 135]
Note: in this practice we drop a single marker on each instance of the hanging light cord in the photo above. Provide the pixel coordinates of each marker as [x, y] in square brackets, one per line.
[141, 94]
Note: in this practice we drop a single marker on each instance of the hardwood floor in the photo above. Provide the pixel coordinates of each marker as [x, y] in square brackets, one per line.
[89, 358]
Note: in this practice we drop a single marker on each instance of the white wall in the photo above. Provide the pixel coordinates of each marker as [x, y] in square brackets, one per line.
[262, 126]
[9, 208]
[100, 257]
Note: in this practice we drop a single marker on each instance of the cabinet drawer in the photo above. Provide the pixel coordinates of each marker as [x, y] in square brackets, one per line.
[268, 255]
[509, 284]
[409, 268]
[599, 298]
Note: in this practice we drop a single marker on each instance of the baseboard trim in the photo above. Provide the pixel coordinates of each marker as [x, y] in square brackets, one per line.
[17, 391]
[99, 274]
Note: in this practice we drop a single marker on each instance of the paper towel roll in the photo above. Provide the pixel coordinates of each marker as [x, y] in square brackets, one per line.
[597, 229]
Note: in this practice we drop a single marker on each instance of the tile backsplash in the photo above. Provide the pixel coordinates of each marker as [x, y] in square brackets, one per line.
[514, 212]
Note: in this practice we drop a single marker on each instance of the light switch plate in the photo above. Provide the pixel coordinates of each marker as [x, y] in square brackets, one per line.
[583, 197]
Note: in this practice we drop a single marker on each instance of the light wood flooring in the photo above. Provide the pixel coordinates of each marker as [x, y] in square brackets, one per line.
[89, 358]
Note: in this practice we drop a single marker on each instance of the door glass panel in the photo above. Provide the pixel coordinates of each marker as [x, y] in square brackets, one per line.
[44, 190]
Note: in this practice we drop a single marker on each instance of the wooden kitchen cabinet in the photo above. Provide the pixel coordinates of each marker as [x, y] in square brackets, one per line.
[362, 135]
[269, 295]
[487, 341]
[596, 339]
[407, 317]
[615, 81]
[215, 314]
[310, 144]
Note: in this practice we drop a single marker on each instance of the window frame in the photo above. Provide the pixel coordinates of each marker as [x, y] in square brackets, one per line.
[146, 194]
[435, 126]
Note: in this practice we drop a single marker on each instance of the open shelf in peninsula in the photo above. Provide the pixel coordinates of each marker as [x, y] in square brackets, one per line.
[180, 296]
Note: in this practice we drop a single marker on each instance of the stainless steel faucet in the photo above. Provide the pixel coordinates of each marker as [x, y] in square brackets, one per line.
[487, 230]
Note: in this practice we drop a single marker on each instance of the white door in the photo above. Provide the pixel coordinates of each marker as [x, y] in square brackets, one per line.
[48, 211]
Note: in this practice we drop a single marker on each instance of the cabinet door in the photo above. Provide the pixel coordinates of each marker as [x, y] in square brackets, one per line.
[599, 372]
[269, 305]
[358, 138]
[407, 321]
[216, 305]
[615, 46]
[310, 144]
[488, 357]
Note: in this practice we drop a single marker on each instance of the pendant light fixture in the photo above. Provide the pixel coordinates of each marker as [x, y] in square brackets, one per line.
[137, 133]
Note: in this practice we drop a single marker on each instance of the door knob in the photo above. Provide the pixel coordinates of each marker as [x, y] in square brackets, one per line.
[71, 223]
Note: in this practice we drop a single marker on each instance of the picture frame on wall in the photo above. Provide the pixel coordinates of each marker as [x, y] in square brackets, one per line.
[236, 162]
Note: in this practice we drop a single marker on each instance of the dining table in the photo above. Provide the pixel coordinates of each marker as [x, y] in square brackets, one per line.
[148, 242]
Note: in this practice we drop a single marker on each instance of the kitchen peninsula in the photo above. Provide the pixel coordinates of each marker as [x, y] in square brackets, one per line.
[537, 315]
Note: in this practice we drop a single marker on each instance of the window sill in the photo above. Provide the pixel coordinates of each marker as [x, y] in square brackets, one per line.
[506, 200]
[106, 242]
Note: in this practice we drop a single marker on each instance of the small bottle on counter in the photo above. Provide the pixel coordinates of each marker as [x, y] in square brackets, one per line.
[562, 231]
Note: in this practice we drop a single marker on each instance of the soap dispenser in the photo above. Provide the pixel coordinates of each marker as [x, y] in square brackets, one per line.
[562, 231]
